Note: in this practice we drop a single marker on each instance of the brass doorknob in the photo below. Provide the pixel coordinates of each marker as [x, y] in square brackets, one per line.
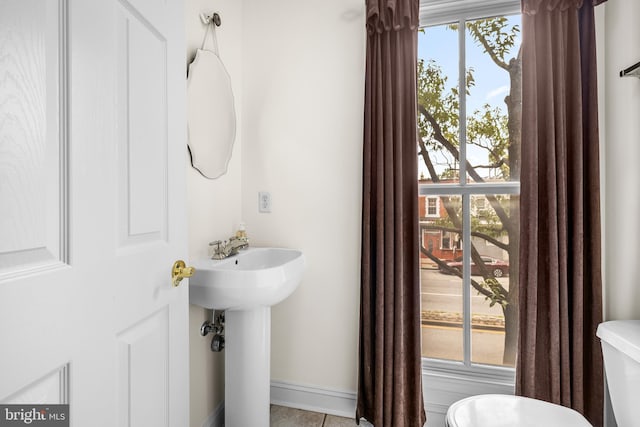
[180, 271]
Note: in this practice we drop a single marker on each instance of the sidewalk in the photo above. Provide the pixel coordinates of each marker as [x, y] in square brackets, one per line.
[442, 337]
[478, 321]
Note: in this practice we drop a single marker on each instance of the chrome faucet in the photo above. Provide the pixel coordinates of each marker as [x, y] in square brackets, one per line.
[228, 248]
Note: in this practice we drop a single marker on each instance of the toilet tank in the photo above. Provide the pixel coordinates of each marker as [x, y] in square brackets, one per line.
[621, 350]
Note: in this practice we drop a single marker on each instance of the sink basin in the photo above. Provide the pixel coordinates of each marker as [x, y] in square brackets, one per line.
[256, 277]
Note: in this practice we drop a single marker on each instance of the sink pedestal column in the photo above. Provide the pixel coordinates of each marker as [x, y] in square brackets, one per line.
[247, 367]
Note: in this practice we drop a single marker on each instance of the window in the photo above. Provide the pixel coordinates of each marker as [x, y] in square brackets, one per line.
[446, 241]
[469, 145]
[478, 203]
[432, 206]
[450, 240]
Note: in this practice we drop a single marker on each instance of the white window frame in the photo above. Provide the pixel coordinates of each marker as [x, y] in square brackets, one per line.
[464, 378]
[426, 201]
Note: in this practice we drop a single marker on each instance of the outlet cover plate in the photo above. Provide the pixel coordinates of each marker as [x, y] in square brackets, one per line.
[264, 201]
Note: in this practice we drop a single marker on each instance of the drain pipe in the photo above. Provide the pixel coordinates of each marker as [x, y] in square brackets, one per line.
[217, 328]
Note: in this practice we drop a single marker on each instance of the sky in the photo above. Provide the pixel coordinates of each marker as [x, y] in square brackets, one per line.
[491, 82]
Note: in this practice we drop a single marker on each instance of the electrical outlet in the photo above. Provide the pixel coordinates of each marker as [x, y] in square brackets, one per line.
[264, 202]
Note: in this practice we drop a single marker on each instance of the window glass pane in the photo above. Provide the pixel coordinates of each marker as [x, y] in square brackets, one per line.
[441, 282]
[494, 243]
[493, 101]
[438, 104]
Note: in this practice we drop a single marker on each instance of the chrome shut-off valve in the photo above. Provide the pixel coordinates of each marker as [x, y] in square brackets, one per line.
[215, 327]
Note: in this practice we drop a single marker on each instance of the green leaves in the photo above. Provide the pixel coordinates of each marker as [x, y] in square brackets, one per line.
[442, 103]
[496, 37]
[497, 294]
[488, 129]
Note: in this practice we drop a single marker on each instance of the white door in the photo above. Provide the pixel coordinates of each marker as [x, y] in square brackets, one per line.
[92, 209]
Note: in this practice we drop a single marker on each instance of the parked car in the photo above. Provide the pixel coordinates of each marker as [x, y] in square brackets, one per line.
[495, 266]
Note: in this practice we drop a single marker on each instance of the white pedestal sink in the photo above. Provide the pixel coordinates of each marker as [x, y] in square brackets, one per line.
[246, 286]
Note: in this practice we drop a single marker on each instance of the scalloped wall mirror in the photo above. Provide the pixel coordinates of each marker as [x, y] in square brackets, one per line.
[211, 112]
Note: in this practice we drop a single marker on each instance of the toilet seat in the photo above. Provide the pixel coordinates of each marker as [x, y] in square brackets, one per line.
[498, 410]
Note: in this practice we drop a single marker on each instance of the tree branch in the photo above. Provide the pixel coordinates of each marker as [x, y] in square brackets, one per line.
[483, 41]
[443, 265]
[486, 237]
[495, 204]
[427, 160]
[492, 166]
[484, 147]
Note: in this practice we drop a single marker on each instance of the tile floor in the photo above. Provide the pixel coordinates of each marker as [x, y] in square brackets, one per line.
[282, 416]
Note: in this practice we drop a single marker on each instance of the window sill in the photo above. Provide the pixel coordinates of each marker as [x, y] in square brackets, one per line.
[498, 375]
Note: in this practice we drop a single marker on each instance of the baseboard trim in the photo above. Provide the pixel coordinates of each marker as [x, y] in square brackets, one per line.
[440, 391]
[216, 418]
[436, 408]
[316, 399]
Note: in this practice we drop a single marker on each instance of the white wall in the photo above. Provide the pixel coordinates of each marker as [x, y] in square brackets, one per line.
[214, 205]
[621, 147]
[302, 137]
[619, 99]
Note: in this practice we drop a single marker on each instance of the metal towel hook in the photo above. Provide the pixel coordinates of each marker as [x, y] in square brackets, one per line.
[206, 19]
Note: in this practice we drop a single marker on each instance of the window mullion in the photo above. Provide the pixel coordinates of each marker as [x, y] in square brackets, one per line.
[462, 97]
[466, 278]
[466, 199]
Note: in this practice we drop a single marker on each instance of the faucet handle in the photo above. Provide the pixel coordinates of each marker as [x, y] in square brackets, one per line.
[219, 250]
[218, 247]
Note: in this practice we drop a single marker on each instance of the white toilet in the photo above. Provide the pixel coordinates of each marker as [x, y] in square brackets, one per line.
[621, 349]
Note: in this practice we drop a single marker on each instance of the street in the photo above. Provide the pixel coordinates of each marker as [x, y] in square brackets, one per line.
[443, 292]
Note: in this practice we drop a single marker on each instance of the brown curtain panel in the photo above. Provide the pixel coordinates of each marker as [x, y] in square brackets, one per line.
[559, 356]
[390, 373]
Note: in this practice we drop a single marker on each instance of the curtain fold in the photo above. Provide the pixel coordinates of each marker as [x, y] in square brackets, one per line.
[390, 372]
[559, 356]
